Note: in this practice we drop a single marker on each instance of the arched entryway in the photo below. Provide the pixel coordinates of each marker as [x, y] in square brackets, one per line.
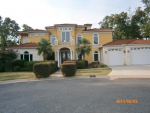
[63, 54]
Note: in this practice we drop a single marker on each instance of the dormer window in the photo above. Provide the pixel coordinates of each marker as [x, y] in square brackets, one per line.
[36, 34]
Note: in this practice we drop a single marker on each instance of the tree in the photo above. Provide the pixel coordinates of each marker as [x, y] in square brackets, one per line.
[147, 6]
[44, 48]
[83, 48]
[8, 31]
[26, 27]
[11, 42]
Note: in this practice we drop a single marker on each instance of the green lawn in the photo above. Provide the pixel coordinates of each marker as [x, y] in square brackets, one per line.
[94, 71]
[16, 75]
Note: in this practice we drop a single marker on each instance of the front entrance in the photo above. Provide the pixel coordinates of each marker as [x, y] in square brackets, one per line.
[65, 56]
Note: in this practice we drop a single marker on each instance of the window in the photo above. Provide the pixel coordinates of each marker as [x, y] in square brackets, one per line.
[60, 29]
[36, 34]
[31, 35]
[65, 29]
[79, 37]
[65, 36]
[96, 56]
[53, 39]
[70, 28]
[21, 56]
[42, 34]
[95, 39]
[26, 56]
[25, 40]
[31, 57]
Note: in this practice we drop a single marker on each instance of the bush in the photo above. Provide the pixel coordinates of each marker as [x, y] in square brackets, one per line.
[81, 64]
[86, 63]
[17, 68]
[25, 64]
[70, 61]
[56, 64]
[24, 69]
[31, 63]
[94, 64]
[68, 69]
[103, 65]
[18, 63]
[44, 69]
[2, 67]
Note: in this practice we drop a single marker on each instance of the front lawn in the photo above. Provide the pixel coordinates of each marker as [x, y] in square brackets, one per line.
[93, 71]
[16, 75]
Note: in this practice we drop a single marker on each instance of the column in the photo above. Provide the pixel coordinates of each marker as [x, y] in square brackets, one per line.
[58, 57]
[70, 54]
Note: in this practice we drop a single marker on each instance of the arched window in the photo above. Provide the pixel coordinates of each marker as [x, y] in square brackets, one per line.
[53, 39]
[26, 56]
[96, 56]
[95, 39]
[79, 37]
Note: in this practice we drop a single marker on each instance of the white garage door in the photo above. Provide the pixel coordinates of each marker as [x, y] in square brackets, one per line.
[115, 57]
[140, 55]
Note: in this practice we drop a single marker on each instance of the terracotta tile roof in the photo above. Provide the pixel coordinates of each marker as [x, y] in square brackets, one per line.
[128, 41]
[31, 44]
[97, 29]
[33, 31]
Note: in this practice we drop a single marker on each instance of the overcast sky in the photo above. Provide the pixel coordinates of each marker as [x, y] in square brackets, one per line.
[41, 13]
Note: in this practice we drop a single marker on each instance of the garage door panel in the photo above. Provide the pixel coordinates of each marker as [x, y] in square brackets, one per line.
[140, 56]
[115, 57]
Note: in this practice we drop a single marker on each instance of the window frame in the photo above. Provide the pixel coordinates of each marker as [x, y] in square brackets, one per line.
[97, 37]
[98, 55]
[77, 38]
[60, 29]
[36, 34]
[65, 35]
[42, 34]
[51, 39]
[31, 35]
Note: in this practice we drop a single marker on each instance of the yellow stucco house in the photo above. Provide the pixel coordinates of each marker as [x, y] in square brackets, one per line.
[63, 38]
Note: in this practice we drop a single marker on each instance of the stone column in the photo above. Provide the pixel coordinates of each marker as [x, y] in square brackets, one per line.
[58, 57]
[70, 54]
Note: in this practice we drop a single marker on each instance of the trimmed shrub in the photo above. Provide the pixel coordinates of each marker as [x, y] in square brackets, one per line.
[41, 70]
[2, 67]
[53, 67]
[18, 63]
[70, 61]
[86, 63]
[31, 63]
[25, 64]
[17, 68]
[24, 69]
[103, 65]
[56, 64]
[94, 64]
[81, 64]
[68, 69]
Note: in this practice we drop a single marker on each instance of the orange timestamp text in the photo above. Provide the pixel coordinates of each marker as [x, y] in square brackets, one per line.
[124, 101]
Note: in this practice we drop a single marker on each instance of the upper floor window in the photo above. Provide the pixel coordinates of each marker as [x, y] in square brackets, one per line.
[95, 39]
[42, 34]
[25, 39]
[53, 39]
[79, 37]
[31, 35]
[70, 28]
[60, 29]
[65, 29]
[65, 36]
[36, 34]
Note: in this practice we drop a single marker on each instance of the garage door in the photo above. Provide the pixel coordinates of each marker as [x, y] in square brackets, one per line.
[140, 55]
[115, 57]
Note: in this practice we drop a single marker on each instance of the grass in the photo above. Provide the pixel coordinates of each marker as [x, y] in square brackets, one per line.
[94, 71]
[16, 75]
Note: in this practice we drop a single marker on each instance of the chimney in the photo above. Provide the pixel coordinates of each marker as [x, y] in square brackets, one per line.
[88, 26]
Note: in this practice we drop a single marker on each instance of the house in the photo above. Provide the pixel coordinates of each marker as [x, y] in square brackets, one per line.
[127, 52]
[63, 38]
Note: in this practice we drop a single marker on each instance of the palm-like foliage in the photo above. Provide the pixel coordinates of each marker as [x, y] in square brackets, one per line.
[44, 48]
[83, 48]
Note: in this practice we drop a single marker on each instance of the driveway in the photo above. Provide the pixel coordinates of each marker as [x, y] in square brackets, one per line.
[72, 95]
[135, 71]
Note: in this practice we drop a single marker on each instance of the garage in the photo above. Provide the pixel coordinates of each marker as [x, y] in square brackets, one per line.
[140, 55]
[115, 57]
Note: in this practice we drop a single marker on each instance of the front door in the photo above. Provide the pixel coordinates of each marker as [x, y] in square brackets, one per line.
[65, 56]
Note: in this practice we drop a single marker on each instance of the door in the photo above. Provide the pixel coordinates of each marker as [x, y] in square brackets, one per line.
[115, 57]
[140, 55]
[65, 56]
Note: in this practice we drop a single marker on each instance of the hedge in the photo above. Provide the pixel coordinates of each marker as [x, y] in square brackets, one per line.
[31, 64]
[68, 69]
[18, 63]
[17, 68]
[56, 64]
[81, 64]
[44, 69]
[71, 61]
[2, 67]
[94, 64]
[103, 65]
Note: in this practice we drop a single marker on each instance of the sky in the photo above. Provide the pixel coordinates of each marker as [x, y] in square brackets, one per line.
[41, 13]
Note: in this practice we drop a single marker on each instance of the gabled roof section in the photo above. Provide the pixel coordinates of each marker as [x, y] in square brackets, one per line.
[98, 30]
[31, 44]
[33, 31]
[127, 41]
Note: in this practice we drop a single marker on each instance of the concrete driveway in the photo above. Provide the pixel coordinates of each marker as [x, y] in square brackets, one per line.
[133, 71]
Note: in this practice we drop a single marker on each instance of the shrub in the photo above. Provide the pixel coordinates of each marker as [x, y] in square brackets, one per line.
[2, 67]
[80, 64]
[53, 67]
[25, 64]
[86, 63]
[41, 70]
[94, 64]
[31, 63]
[70, 61]
[17, 68]
[18, 63]
[24, 69]
[68, 69]
[103, 65]
[56, 64]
